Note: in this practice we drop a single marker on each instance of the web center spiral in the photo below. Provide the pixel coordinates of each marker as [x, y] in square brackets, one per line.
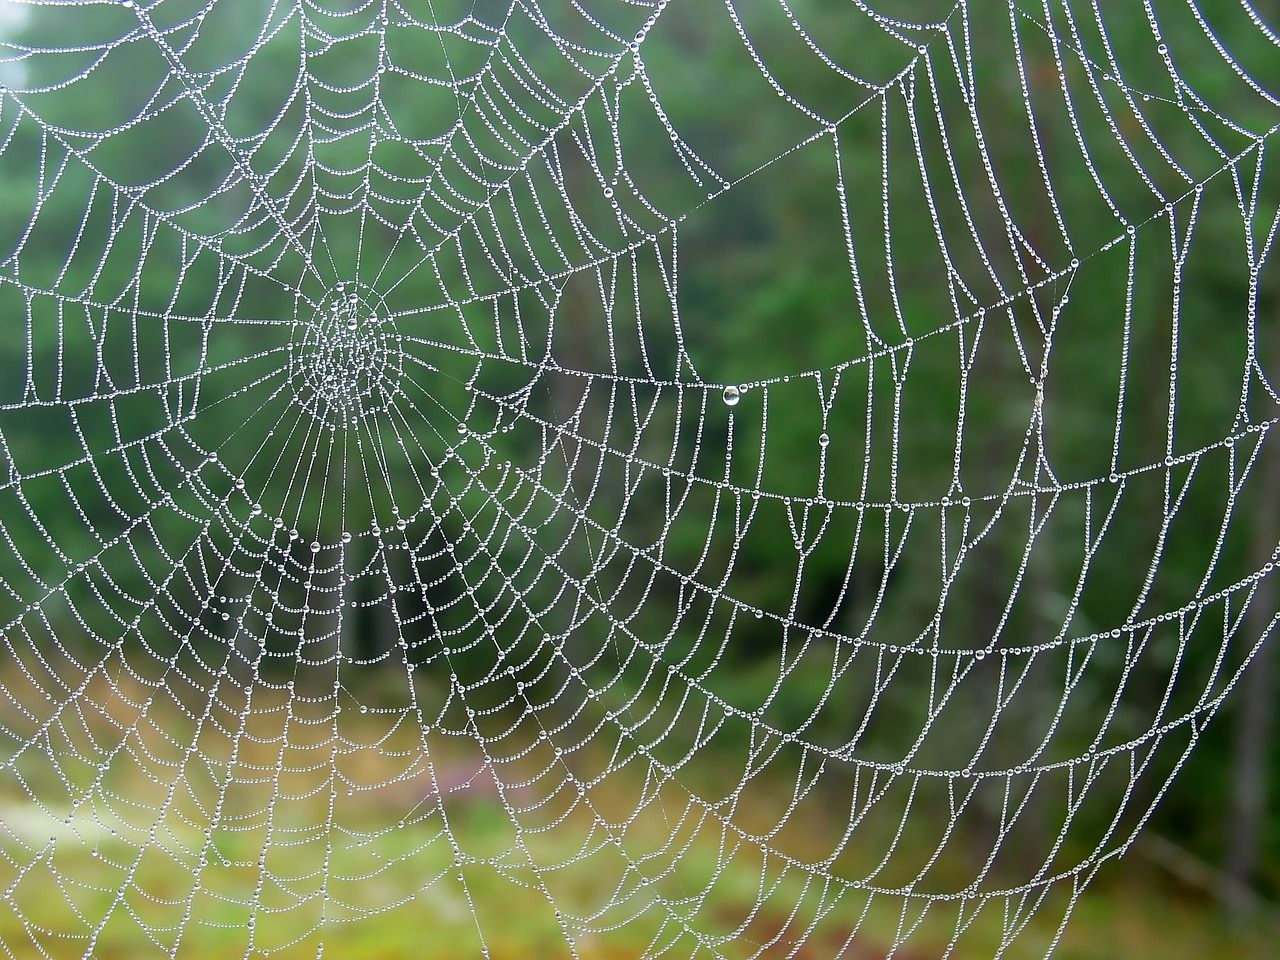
[346, 357]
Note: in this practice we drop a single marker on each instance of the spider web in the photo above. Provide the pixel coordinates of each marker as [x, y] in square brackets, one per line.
[428, 491]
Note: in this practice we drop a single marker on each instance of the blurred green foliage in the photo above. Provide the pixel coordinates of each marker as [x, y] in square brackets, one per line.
[960, 238]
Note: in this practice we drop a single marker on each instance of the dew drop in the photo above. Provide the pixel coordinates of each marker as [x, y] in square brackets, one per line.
[315, 546]
[352, 324]
[731, 396]
[346, 536]
[823, 440]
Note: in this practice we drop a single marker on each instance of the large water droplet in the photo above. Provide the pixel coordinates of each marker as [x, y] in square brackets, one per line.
[346, 536]
[823, 439]
[732, 395]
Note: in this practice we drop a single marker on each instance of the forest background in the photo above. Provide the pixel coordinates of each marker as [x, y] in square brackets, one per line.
[1154, 374]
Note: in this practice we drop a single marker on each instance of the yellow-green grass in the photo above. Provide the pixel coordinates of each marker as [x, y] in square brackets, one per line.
[328, 828]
